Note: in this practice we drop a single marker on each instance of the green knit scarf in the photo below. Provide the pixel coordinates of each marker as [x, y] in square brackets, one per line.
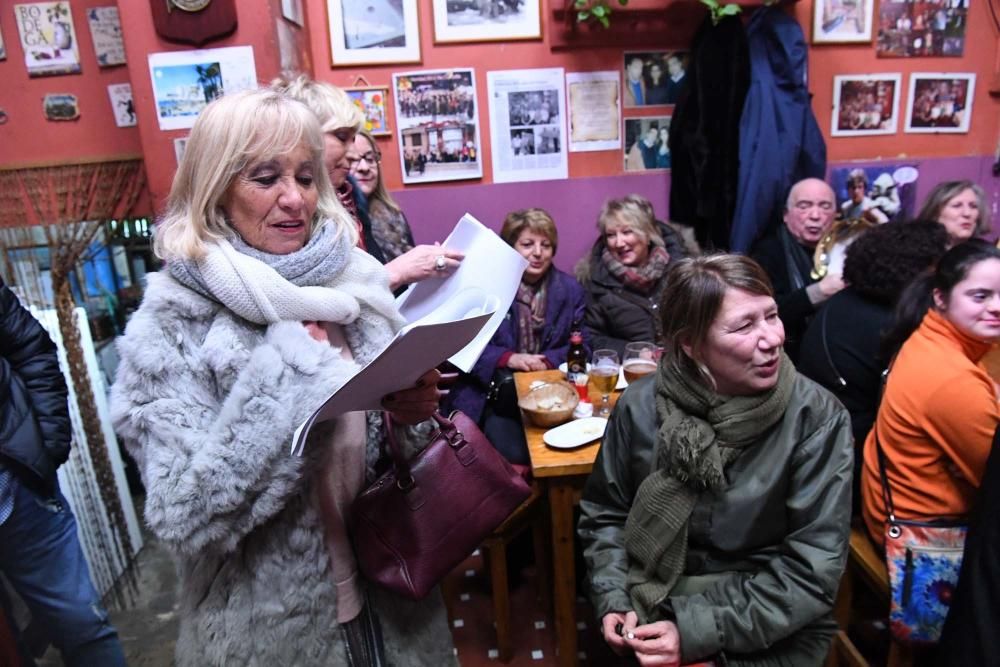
[701, 432]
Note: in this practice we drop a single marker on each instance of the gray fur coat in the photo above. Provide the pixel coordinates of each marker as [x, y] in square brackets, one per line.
[207, 402]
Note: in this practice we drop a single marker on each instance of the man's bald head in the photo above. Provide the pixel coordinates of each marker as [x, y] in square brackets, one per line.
[809, 210]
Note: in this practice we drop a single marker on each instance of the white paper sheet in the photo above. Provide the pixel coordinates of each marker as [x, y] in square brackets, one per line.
[491, 267]
[417, 348]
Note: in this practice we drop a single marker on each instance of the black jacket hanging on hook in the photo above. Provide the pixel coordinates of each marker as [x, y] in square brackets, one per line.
[704, 133]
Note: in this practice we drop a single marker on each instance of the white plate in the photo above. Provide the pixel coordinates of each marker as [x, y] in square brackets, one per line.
[575, 433]
[621, 375]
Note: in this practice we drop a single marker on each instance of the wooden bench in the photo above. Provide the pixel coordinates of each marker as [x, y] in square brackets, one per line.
[865, 568]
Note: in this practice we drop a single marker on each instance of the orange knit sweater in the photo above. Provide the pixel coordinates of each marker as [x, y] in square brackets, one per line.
[935, 424]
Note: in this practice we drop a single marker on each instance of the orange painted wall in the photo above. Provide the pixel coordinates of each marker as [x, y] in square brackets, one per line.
[27, 138]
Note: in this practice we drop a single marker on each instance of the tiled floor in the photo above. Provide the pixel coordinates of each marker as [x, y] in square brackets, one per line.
[532, 631]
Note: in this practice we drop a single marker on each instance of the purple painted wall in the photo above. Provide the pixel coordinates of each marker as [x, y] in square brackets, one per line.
[575, 203]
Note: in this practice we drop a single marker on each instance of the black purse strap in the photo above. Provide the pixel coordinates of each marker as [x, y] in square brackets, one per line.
[894, 529]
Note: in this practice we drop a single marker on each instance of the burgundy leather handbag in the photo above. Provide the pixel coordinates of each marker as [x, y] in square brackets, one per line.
[425, 516]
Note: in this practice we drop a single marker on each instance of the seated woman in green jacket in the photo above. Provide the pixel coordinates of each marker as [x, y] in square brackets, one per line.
[715, 522]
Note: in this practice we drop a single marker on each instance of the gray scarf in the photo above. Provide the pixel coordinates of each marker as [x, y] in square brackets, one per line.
[265, 288]
[701, 432]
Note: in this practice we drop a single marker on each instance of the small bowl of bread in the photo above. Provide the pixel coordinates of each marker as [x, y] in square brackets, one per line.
[550, 404]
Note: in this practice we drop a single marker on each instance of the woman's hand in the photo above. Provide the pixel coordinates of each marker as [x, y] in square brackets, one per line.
[316, 331]
[609, 627]
[414, 405]
[656, 644]
[527, 362]
[421, 263]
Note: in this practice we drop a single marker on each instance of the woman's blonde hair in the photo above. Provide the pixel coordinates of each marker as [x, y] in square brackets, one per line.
[635, 212]
[948, 190]
[231, 133]
[379, 194]
[334, 108]
[536, 219]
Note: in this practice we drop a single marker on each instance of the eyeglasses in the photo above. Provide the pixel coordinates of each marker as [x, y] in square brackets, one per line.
[371, 157]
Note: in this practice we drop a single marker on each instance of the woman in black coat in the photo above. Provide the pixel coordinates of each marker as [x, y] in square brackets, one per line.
[624, 273]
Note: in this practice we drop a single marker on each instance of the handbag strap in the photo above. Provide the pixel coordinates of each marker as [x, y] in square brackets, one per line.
[446, 428]
[894, 529]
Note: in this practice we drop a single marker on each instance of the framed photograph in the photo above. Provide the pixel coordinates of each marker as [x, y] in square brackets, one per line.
[647, 143]
[373, 32]
[889, 189]
[486, 20]
[106, 33]
[940, 102]
[184, 82]
[438, 118]
[372, 102]
[653, 78]
[47, 38]
[931, 28]
[527, 124]
[842, 21]
[122, 106]
[865, 104]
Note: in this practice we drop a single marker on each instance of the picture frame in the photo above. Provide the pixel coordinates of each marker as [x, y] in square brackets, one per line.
[499, 20]
[653, 78]
[372, 100]
[940, 102]
[643, 148]
[373, 33]
[912, 30]
[437, 118]
[122, 106]
[48, 38]
[865, 104]
[839, 22]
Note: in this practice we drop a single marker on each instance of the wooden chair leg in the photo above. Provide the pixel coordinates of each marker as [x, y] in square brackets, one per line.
[501, 598]
[539, 536]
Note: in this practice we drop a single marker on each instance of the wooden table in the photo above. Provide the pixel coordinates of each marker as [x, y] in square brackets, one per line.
[561, 474]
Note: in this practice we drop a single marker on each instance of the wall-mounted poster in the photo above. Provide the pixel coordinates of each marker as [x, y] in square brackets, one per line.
[486, 20]
[121, 104]
[527, 125]
[842, 21]
[865, 104]
[927, 28]
[437, 114]
[940, 102]
[879, 194]
[106, 31]
[594, 111]
[184, 82]
[61, 106]
[653, 77]
[372, 100]
[647, 143]
[376, 31]
[47, 38]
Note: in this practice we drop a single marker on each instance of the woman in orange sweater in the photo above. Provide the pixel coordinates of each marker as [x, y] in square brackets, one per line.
[939, 411]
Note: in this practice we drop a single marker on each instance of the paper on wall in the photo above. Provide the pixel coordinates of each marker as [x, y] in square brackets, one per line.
[491, 267]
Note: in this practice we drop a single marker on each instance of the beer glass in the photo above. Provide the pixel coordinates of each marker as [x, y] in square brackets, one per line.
[639, 360]
[604, 375]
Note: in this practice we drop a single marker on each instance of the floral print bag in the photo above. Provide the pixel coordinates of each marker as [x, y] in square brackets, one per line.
[923, 559]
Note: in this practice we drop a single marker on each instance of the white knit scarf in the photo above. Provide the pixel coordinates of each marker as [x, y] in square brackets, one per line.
[328, 280]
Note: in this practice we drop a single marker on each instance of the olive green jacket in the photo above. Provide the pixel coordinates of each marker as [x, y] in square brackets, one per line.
[765, 554]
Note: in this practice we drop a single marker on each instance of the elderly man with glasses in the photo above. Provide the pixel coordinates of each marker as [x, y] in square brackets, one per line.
[787, 256]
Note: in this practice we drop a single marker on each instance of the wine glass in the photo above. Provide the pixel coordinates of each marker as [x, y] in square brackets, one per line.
[639, 360]
[604, 375]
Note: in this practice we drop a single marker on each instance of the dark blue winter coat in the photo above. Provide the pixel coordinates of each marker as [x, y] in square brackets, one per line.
[780, 142]
[564, 308]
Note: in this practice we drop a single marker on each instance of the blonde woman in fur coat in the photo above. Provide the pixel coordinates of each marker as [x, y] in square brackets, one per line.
[264, 308]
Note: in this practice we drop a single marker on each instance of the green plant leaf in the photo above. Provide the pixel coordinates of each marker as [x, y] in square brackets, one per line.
[582, 16]
[600, 11]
